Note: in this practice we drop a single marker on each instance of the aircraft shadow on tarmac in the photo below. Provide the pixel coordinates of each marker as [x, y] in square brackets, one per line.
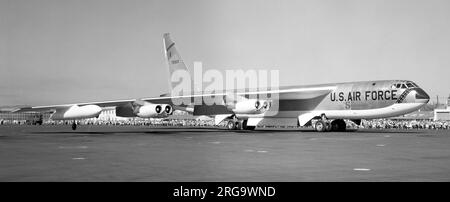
[157, 132]
[164, 131]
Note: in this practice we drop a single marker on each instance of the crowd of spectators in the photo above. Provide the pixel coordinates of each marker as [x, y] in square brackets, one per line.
[405, 124]
[365, 124]
[125, 122]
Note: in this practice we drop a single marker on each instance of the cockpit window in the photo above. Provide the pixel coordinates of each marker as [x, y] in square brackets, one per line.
[405, 85]
[413, 84]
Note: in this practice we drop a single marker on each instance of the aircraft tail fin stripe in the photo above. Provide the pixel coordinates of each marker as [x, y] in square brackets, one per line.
[170, 46]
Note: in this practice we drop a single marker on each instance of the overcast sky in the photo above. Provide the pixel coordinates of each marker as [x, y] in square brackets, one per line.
[67, 51]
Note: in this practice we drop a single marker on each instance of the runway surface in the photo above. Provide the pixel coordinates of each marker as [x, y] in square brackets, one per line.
[132, 153]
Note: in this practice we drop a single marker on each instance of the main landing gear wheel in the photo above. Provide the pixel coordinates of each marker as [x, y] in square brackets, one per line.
[74, 125]
[231, 125]
[239, 125]
[328, 126]
[320, 126]
[339, 125]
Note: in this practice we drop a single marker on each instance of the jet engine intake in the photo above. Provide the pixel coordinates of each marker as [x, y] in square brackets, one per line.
[149, 111]
[168, 109]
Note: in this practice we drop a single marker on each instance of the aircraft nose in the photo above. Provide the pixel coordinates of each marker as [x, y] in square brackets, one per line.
[422, 95]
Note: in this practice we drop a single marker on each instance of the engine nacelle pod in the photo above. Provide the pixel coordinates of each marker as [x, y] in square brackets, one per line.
[251, 106]
[168, 109]
[149, 111]
[77, 112]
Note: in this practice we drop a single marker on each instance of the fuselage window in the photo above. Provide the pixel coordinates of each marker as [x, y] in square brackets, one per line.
[410, 85]
[399, 85]
[403, 86]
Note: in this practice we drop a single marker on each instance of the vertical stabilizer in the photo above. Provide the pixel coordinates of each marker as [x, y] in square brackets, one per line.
[173, 58]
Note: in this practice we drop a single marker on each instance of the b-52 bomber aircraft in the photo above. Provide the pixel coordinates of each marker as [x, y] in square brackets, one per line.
[324, 106]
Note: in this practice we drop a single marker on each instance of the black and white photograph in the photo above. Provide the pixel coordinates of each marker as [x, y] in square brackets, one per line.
[223, 91]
